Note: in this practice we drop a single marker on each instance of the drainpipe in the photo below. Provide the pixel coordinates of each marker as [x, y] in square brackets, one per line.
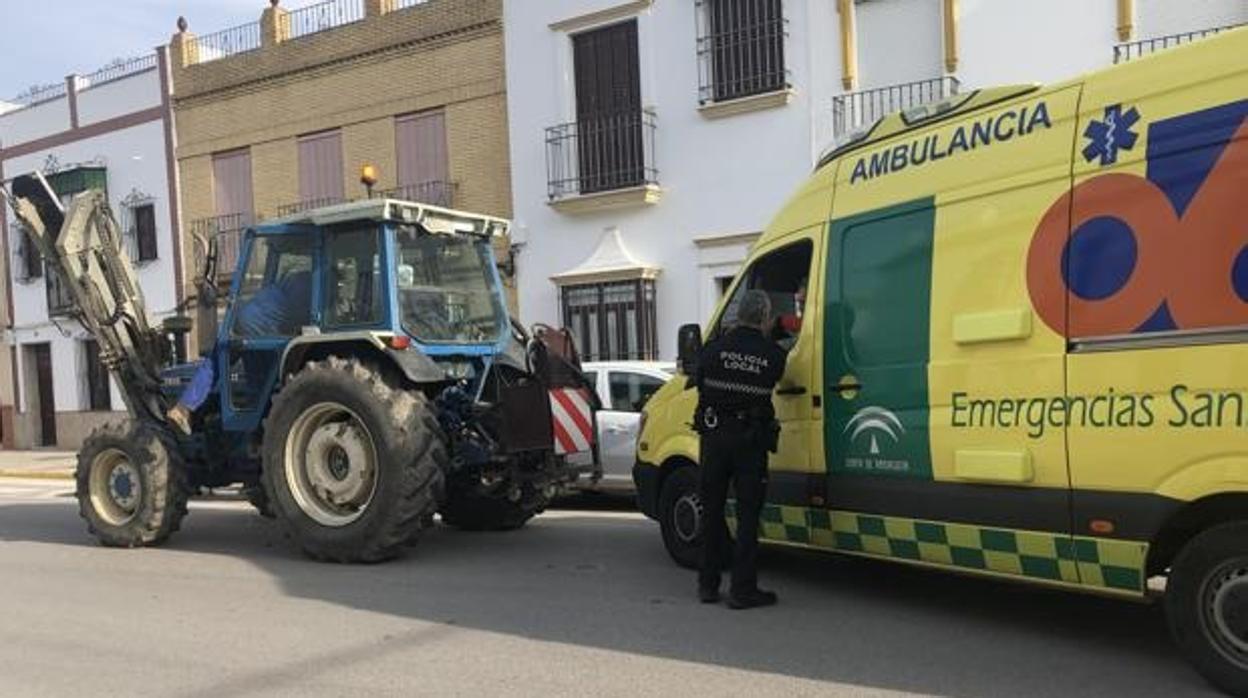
[1126, 19]
[849, 44]
[951, 36]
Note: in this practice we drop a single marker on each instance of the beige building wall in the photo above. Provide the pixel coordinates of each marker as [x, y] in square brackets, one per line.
[444, 54]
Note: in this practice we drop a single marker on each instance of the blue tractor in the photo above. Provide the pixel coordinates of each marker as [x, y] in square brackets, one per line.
[365, 376]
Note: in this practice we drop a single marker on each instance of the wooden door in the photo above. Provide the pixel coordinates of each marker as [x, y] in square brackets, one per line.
[608, 108]
[47, 404]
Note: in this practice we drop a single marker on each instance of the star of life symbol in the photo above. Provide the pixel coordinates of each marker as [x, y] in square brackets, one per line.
[876, 422]
[1111, 135]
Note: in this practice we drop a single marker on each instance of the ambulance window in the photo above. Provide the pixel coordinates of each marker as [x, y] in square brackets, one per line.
[783, 275]
[885, 296]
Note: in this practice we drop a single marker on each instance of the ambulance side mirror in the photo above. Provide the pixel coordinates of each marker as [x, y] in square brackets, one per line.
[689, 345]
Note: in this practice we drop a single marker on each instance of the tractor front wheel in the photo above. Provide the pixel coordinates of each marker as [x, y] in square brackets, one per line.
[131, 485]
[353, 463]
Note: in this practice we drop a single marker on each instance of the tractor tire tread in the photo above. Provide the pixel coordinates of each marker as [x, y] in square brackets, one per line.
[409, 416]
[164, 474]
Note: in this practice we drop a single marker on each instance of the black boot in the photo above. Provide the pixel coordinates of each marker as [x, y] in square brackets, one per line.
[708, 595]
[752, 599]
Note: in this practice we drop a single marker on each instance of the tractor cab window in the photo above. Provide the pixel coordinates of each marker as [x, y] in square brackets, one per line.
[275, 294]
[353, 289]
[448, 291]
[784, 275]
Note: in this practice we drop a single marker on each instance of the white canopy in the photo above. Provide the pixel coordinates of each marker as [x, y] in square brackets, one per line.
[610, 261]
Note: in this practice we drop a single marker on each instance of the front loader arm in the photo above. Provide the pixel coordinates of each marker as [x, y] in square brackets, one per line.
[86, 255]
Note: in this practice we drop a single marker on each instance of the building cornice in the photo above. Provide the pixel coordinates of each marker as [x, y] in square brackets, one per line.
[616, 12]
[98, 128]
[727, 239]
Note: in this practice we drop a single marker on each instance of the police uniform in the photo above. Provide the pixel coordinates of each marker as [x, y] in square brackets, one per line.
[737, 373]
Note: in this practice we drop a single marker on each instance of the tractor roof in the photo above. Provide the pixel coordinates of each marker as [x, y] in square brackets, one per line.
[434, 218]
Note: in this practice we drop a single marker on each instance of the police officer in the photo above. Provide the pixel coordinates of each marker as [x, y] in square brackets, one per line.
[736, 375]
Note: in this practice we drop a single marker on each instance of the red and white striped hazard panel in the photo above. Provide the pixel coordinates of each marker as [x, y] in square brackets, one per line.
[573, 420]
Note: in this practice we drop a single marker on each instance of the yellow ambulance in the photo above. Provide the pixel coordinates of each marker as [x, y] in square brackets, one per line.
[1021, 345]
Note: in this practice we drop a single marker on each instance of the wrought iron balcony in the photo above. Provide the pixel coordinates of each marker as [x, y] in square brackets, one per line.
[225, 235]
[307, 205]
[1137, 49]
[226, 43]
[324, 15]
[437, 193]
[854, 110]
[601, 153]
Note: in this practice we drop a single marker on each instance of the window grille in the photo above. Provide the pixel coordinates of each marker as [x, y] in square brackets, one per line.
[138, 227]
[612, 321]
[741, 48]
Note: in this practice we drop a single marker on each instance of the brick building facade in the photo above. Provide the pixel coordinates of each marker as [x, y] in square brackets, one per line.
[280, 114]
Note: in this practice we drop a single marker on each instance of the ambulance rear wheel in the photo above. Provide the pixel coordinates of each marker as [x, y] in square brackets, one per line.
[1207, 605]
[681, 517]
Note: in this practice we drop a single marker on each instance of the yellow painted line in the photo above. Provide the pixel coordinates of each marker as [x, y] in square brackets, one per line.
[38, 474]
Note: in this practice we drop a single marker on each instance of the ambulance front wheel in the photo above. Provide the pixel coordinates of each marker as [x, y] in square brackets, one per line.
[681, 517]
[1207, 605]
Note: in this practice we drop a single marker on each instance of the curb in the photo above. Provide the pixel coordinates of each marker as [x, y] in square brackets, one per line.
[37, 474]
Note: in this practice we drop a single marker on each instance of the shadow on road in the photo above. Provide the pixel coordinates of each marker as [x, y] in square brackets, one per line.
[604, 581]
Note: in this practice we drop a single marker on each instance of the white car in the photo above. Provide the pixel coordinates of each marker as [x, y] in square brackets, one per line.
[623, 387]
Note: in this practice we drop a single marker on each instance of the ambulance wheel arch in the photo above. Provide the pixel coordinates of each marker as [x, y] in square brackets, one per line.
[1193, 519]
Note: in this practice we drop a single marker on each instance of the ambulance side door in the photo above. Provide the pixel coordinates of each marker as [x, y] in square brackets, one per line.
[784, 269]
[937, 430]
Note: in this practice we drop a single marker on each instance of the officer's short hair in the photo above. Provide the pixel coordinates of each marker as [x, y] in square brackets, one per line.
[755, 308]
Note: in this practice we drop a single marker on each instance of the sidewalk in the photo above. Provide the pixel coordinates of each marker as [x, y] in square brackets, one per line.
[50, 465]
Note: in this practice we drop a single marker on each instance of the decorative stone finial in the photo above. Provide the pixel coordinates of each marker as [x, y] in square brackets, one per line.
[182, 25]
[273, 3]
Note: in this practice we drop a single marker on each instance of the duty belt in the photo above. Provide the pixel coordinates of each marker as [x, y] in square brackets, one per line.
[711, 417]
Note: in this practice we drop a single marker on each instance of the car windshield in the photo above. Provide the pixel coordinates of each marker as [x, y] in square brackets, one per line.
[448, 291]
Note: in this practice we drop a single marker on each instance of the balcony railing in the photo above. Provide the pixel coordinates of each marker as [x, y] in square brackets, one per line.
[227, 42]
[602, 153]
[1136, 49]
[854, 110]
[38, 94]
[307, 205]
[437, 193]
[120, 68]
[225, 233]
[324, 15]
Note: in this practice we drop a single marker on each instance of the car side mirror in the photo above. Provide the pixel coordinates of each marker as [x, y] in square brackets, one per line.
[689, 346]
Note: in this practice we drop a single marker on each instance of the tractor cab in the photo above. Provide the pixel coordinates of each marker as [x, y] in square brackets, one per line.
[403, 278]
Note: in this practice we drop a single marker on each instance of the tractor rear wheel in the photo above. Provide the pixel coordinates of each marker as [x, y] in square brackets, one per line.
[353, 463]
[131, 485]
[474, 512]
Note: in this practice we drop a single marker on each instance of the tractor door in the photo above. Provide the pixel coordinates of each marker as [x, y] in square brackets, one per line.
[273, 299]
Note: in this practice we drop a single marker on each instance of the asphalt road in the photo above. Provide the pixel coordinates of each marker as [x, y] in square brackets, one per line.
[582, 602]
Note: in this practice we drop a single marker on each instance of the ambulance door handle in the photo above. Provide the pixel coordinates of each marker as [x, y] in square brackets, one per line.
[845, 388]
[792, 390]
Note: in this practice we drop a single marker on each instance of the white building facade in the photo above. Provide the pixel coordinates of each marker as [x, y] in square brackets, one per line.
[109, 130]
[652, 140]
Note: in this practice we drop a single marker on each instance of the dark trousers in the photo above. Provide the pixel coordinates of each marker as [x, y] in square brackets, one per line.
[731, 457]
